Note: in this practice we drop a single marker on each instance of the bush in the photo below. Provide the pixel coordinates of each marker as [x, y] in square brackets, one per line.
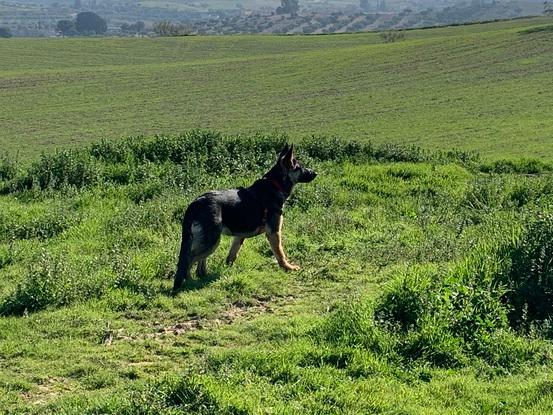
[449, 317]
[524, 166]
[390, 36]
[41, 225]
[8, 167]
[5, 32]
[166, 28]
[88, 23]
[63, 168]
[49, 282]
[530, 278]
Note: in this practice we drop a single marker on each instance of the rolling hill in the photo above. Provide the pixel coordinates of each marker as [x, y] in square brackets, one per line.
[481, 87]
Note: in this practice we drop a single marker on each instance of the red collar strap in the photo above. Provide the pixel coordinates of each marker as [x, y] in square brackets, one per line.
[277, 185]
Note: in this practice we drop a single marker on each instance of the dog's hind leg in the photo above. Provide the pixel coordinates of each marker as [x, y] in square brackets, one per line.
[234, 249]
[201, 271]
[205, 239]
[184, 265]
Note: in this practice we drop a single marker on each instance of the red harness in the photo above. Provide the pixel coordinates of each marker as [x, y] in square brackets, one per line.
[277, 185]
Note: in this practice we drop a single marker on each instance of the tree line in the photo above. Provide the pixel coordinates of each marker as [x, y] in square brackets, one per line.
[86, 23]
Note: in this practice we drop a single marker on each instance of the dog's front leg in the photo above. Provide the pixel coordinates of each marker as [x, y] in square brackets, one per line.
[273, 230]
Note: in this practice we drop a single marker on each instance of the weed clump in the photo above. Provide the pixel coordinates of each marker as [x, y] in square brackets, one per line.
[63, 168]
[472, 310]
[537, 29]
[523, 166]
[49, 282]
[55, 280]
[391, 36]
[8, 167]
[40, 225]
[170, 395]
[529, 281]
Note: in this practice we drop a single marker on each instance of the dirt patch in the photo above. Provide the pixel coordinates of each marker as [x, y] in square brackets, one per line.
[47, 390]
[235, 311]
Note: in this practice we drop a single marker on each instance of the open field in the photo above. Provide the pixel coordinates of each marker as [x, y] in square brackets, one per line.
[481, 87]
[427, 278]
[402, 305]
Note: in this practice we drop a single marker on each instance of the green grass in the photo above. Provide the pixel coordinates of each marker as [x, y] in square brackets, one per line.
[400, 306]
[480, 87]
[426, 276]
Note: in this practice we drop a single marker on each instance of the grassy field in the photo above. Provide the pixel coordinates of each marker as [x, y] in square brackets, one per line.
[425, 284]
[481, 87]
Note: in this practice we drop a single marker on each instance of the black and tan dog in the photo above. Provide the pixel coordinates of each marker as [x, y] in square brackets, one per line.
[241, 213]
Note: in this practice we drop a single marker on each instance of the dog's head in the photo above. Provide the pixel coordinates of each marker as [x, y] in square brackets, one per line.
[292, 169]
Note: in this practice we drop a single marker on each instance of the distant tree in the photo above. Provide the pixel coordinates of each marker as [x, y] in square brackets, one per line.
[390, 36]
[288, 7]
[548, 8]
[90, 23]
[364, 4]
[163, 28]
[166, 28]
[5, 32]
[137, 27]
[66, 27]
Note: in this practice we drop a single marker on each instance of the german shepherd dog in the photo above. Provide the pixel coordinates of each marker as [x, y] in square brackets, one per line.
[240, 213]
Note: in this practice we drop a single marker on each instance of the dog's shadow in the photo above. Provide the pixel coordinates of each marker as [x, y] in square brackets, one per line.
[195, 283]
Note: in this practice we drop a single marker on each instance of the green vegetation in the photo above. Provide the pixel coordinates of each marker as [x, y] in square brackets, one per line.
[425, 287]
[481, 87]
[426, 284]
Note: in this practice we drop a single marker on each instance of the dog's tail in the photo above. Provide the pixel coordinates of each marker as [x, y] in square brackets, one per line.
[185, 256]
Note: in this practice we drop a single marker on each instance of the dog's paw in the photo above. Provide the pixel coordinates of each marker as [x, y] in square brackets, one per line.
[290, 267]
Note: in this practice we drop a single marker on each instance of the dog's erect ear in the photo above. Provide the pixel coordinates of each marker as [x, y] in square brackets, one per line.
[287, 159]
[284, 151]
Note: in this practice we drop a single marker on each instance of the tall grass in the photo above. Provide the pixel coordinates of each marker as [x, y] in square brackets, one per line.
[479, 308]
[190, 156]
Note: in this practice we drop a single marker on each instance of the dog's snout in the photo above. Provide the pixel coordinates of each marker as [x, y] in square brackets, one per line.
[309, 176]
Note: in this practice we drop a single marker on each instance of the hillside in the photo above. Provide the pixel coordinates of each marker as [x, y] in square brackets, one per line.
[426, 281]
[424, 286]
[481, 87]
